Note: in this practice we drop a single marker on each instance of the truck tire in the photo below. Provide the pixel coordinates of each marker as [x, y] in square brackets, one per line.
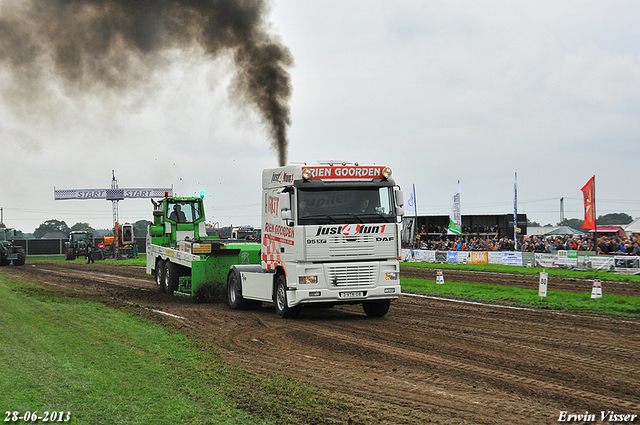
[171, 277]
[160, 276]
[21, 258]
[69, 254]
[280, 300]
[234, 295]
[376, 308]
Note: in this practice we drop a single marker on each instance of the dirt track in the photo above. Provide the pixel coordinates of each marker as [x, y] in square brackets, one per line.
[427, 360]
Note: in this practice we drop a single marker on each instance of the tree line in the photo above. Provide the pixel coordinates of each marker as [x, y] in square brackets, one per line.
[612, 219]
[59, 226]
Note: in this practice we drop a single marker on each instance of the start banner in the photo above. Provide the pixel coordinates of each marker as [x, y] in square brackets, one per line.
[110, 194]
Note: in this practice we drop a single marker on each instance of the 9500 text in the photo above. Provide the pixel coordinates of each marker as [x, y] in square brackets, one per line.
[34, 417]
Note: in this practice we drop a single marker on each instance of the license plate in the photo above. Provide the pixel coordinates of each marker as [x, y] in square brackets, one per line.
[351, 294]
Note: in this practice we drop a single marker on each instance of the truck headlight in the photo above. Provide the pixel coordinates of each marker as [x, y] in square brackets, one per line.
[391, 276]
[304, 280]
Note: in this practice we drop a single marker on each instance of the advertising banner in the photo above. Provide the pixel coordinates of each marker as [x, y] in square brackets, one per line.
[600, 262]
[512, 258]
[464, 257]
[479, 257]
[494, 257]
[629, 265]
[528, 259]
[407, 255]
[567, 258]
[546, 260]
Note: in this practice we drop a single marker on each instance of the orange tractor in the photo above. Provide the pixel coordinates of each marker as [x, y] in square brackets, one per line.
[121, 244]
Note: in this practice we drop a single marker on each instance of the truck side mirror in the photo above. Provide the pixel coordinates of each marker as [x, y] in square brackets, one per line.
[400, 198]
[284, 201]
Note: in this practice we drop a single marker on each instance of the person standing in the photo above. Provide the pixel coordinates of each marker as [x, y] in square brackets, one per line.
[89, 254]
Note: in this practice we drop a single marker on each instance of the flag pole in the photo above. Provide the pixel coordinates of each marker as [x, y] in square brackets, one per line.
[515, 212]
[415, 213]
[595, 222]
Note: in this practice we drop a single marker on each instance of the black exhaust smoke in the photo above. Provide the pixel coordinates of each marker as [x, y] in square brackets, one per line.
[117, 44]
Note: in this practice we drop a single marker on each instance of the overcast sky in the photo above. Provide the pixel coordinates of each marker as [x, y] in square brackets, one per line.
[440, 91]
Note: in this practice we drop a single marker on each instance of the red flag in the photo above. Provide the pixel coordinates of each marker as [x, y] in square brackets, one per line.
[588, 191]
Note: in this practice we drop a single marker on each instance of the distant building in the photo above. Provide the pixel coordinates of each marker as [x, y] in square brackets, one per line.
[488, 226]
[54, 235]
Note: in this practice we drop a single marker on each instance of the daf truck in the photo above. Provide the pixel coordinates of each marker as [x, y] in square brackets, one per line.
[330, 235]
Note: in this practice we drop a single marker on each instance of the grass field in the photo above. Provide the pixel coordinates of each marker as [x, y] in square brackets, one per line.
[558, 300]
[106, 366]
[576, 274]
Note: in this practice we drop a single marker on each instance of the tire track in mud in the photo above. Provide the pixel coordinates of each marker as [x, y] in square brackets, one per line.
[534, 340]
[256, 344]
[110, 279]
[343, 372]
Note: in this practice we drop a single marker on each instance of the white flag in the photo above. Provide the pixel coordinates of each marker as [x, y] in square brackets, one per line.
[455, 217]
[411, 203]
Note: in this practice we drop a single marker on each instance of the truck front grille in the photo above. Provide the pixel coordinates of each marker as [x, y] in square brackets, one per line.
[352, 275]
[353, 246]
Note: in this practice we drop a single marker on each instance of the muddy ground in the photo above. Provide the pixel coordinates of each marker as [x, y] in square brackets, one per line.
[428, 360]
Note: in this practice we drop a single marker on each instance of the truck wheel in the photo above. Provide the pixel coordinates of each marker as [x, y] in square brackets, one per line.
[21, 258]
[234, 296]
[160, 276]
[376, 308]
[171, 277]
[70, 255]
[282, 308]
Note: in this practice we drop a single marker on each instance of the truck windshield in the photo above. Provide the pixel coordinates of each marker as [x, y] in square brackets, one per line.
[350, 205]
[184, 211]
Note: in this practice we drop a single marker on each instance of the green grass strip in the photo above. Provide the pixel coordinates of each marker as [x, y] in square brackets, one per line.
[504, 295]
[494, 268]
[106, 366]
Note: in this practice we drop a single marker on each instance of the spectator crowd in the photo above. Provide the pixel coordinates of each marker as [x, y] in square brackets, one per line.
[607, 245]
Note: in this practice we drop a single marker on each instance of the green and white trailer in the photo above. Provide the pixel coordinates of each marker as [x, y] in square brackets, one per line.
[184, 260]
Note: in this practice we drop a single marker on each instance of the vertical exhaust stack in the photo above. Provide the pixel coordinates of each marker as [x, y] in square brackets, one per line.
[118, 44]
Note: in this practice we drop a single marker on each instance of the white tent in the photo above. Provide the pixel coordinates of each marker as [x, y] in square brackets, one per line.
[565, 231]
[633, 228]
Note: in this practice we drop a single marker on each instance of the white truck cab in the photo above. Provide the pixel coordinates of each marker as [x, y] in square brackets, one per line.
[330, 235]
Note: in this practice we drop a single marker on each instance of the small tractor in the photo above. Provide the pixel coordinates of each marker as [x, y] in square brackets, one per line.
[8, 250]
[122, 244]
[77, 246]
